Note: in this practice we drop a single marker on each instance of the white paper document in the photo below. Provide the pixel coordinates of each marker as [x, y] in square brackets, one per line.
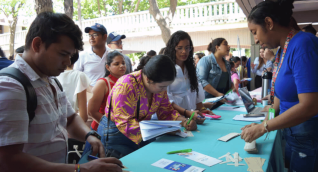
[152, 128]
[200, 158]
[176, 166]
[231, 108]
[251, 119]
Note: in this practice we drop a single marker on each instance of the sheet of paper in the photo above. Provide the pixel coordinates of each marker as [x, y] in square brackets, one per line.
[231, 108]
[200, 158]
[189, 133]
[151, 128]
[182, 134]
[176, 166]
[251, 119]
[229, 137]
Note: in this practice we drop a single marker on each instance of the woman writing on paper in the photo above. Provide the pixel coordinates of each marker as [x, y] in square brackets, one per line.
[185, 93]
[214, 72]
[115, 68]
[149, 87]
[295, 84]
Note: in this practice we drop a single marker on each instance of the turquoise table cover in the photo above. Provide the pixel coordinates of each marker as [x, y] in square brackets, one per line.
[205, 142]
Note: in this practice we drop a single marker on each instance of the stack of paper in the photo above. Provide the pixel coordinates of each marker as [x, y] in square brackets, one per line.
[252, 119]
[255, 164]
[152, 128]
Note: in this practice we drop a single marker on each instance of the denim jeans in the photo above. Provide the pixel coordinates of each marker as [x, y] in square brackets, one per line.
[301, 151]
[116, 140]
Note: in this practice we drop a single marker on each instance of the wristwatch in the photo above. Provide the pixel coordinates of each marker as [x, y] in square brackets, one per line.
[93, 133]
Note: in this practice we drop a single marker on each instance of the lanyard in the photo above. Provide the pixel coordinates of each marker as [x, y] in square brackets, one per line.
[275, 72]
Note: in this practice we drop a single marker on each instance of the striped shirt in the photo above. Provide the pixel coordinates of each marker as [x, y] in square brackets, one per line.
[46, 136]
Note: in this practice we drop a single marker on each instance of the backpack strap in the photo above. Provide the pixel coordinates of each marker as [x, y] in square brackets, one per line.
[29, 90]
[58, 84]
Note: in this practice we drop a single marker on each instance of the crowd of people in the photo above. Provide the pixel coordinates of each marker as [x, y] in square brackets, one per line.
[100, 96]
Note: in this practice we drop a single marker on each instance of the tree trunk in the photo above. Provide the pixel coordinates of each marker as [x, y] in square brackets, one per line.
[105, 9]
[68, 8]
[120, 6]
[137, 5]
[163, 24]
[13, 25]
[79, 13]
[43, 5]
[98, 5]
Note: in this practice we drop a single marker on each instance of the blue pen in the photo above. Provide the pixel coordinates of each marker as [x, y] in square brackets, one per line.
[94, 157]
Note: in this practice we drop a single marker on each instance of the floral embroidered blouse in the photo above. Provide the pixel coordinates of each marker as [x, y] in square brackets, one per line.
[125, 95]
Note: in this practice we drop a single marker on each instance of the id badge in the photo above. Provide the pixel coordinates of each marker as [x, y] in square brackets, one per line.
[271, 113]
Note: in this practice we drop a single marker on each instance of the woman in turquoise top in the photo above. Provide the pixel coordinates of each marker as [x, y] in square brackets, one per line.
[214, 72]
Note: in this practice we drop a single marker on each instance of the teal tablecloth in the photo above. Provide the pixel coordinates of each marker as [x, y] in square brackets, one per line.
[205, 141]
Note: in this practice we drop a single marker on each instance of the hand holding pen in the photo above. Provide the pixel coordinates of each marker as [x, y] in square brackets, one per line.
[102, 164]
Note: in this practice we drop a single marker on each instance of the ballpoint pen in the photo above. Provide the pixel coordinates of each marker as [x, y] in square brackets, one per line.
[180, 151]
[190, 118]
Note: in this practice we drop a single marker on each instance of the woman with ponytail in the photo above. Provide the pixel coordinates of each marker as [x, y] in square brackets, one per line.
[294, 84]
[115, 68]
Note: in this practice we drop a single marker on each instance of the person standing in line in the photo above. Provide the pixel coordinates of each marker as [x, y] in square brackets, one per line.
[197, 58]
[4, 62]
[258, 67]
[76, 83]
[114, 42]
[92, 61]
[295, 84]
[214, 72]
[115, 68]
[184, 93]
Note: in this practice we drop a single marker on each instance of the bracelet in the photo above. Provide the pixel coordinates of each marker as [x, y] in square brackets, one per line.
[184, 112]
[265, 126]
[203, 108]
[77, 168]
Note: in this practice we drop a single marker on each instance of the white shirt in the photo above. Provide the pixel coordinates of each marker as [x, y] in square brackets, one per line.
[180, 93]
[46, 136]
[74, 82]
[92, 65]
[261, 69]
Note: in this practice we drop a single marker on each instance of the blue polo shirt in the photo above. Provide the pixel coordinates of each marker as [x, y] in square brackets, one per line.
[299, 71]
[4, 62]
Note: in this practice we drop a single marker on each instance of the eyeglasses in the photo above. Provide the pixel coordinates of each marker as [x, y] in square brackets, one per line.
[117, 43]
[95, 35]
[187, 49]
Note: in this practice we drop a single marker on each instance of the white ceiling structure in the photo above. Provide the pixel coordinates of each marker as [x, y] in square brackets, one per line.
[305, 11]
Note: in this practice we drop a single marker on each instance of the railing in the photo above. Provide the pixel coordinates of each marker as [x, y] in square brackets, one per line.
[203, 14]
[19, 38]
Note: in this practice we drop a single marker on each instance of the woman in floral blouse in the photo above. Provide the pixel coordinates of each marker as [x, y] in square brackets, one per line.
[150, 85]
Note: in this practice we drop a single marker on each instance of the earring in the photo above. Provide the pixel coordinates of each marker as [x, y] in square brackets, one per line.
[270, 28]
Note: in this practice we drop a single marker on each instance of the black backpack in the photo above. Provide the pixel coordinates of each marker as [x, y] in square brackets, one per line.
[32, 101]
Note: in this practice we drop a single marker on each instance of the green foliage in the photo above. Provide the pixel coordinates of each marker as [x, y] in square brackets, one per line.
[11, 7]
[135, 56]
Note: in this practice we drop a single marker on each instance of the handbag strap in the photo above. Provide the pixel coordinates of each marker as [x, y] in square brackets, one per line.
[110, 105]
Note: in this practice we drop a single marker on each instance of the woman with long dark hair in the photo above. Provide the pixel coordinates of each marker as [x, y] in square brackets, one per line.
[115, 68]
[294, 84]
[184, 92]
[214, 72]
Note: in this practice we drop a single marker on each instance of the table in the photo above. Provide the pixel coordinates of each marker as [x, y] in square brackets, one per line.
[205, 141]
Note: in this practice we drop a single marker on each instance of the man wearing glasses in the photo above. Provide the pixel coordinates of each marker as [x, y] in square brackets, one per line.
[114, 42]
[92, 61]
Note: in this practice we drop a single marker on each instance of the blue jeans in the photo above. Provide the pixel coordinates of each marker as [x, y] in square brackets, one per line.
[301, 151]
[116, 140]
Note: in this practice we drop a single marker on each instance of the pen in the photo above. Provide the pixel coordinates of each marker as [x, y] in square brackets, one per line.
[190, 118]
[180, 151]
[94, 157]
[236, 107]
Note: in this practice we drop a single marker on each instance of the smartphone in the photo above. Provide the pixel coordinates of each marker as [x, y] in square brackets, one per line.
[254, 115]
